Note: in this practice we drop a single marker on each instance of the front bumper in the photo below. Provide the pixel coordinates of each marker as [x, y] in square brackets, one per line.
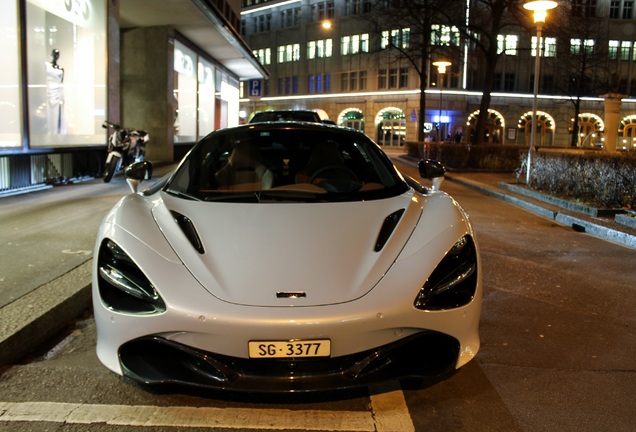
[158, 361]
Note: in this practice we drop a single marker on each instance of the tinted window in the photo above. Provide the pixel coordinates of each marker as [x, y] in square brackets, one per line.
[269, 116]
[286, 164]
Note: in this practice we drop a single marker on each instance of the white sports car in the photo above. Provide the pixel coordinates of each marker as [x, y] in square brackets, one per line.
[286, 257]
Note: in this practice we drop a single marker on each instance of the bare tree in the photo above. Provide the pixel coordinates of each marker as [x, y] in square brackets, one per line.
[582, 66]
[405, 27]
[487, 20]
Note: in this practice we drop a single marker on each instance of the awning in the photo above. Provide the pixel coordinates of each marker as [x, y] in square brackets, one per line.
[201, 23]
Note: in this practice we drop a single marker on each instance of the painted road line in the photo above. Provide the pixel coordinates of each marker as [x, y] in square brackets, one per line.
[388, 413]
[389, 408]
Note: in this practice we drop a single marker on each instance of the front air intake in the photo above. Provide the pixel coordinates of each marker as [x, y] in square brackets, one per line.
[388, 226]
[189, 230]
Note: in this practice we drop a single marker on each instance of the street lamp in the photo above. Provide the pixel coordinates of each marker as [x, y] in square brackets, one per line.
[540, 10]
[441, 70]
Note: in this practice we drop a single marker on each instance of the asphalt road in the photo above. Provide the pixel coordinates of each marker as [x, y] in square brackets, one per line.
[558, 331]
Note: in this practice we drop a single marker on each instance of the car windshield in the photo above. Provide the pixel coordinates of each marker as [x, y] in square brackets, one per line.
[269, 163]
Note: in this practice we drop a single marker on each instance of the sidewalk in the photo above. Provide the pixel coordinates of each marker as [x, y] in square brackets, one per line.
[36, 317]
[504, 187]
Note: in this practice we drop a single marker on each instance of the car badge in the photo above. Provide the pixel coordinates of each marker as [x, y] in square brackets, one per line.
[291, 294]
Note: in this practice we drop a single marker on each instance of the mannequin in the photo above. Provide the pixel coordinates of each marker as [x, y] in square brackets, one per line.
[55, 94]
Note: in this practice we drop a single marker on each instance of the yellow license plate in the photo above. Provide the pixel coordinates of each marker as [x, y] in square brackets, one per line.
[290, 349]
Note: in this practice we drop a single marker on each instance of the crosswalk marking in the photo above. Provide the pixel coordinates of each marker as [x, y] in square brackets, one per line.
[388, 413]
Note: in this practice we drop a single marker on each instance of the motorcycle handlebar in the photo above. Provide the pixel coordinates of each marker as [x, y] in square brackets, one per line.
[106, 124]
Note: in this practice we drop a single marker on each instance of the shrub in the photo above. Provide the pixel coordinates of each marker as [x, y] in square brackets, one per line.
[466, 157]
[598, 178]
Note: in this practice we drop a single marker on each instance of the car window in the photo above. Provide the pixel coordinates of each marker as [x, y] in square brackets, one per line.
[268, 116]
[286, 164]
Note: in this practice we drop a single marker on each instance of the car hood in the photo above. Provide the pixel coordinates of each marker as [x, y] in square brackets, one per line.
[286, 254]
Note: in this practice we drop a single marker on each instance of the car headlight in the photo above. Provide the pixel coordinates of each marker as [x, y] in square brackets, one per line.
[454, 281]
[123, 287]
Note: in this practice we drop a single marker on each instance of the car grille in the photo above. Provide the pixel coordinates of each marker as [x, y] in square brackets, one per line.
[158, 361]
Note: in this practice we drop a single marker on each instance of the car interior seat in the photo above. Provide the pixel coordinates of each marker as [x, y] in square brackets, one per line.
[244, 170]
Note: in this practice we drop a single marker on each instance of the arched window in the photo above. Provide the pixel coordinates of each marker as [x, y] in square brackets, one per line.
[391, 127]
[495, 125]
[352, 118]
[545, 128]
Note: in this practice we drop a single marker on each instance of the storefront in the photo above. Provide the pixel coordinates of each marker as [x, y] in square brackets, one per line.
[205, 96]
[65, 74]
[68, 65]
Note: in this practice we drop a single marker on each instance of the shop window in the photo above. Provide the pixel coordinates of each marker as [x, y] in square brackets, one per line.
[66, 61]
[10, 103]
[206, 98]
[185, 93]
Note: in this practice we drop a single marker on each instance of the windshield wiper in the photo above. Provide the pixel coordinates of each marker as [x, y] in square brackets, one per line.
[249, 197]
[291, 195]
[257, 196]
[183, 195]
[268, 196]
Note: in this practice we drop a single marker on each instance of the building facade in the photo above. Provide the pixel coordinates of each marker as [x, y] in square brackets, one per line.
[172, 69]
[345, 68]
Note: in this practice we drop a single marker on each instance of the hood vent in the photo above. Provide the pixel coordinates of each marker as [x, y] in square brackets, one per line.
[188, 229]
[388, 226]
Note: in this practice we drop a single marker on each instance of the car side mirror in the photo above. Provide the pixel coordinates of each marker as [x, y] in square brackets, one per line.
[432, 170]
[137, 172]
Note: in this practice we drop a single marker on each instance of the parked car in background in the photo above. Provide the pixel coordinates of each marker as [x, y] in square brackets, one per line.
[286, 115]
[284, 257]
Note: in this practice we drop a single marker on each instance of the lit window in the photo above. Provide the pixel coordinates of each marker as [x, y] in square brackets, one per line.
[398, 38]
[288, 53]
[575, 48]
[354, 44]
[507, 44]
[320, 48]
[444, 35]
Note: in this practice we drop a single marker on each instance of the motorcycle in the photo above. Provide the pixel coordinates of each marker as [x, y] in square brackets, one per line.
[125, 146]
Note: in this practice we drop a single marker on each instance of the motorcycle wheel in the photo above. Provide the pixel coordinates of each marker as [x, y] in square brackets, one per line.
[110, 168]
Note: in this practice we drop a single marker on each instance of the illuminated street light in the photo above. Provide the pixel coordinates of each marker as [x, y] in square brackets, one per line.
[441, 70]
[540, 10]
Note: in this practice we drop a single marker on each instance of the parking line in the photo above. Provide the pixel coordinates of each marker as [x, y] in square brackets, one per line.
[388, 413]
[389, 408]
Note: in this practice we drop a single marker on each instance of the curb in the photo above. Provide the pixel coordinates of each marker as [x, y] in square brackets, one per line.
[24, 190]
[34, 318]
[578, 224]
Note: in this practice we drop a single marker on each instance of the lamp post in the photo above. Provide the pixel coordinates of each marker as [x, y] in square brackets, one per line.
[441, 70]
[540, 10]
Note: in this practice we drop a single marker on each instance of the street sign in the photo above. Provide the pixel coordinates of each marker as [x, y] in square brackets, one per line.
[255, 88]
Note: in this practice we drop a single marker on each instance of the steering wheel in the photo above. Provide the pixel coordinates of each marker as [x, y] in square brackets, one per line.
[348, 174]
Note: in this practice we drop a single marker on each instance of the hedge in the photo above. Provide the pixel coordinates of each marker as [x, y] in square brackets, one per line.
[597, 178]
[485, 157]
